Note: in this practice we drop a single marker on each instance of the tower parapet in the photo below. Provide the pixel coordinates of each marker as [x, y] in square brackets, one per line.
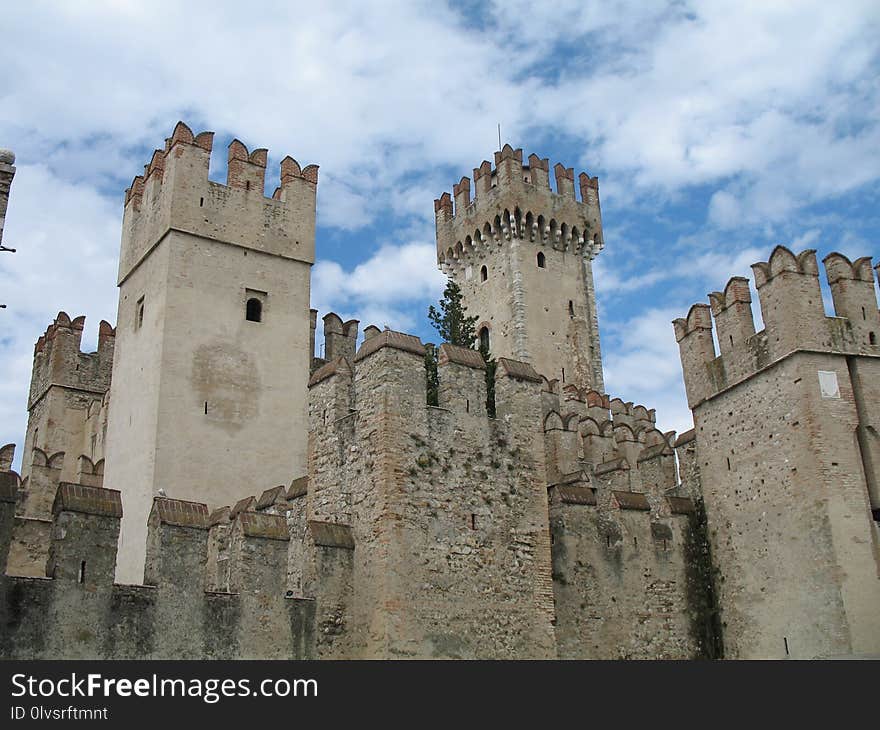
[174, 193]
[58, 359]
[514, 201]
[794, 319]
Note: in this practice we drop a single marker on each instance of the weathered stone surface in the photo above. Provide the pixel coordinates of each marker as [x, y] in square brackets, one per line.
[786, 456]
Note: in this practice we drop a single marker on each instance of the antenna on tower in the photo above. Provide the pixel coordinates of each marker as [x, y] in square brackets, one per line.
[499, 135]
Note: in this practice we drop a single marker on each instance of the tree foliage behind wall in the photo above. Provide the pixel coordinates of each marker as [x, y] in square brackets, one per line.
[455, 326]
[451, 319]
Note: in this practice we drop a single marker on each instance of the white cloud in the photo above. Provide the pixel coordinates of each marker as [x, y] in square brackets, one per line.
[642, 365]
[696, 266]
[65, 236]
[382, 289]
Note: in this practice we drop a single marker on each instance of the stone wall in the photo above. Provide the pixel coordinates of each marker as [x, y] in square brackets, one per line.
[7, 172]
[623, 585]
[78, 612]
[786, 451]
[447, 508]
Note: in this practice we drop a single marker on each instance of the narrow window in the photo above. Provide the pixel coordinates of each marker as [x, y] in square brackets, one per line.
[570, 308]
[635, 541]
[201, 202]
[467, 405]
[872, 338]
[484, 339]
[608, 540]
[82, 572]
[139, 314]
[728, 463]
[247, 185]
[254, 310]
[863, 314]
[473, 521]
[206, 408]
[785, 640]
[665, 545]
[563, 375]
[731, 340]
[542, 260]
[484, 273]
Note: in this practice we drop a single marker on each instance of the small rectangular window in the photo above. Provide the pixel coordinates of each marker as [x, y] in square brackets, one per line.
[255, 305]
[139, 314]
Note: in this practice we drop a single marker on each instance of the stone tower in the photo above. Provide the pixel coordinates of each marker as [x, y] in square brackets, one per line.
[7, 172]
[522, 255]
[212, 348]
[786, 424]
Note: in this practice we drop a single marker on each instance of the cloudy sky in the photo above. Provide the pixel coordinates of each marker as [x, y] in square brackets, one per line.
[718, 129]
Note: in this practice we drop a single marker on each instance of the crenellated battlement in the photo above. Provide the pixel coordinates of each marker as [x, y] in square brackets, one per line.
[174, 192]
[495, 509]
[58, 359]
[344, 386]
[615, 443]
[340, 338]
[78, 610]
[794, 319]
[513, 201]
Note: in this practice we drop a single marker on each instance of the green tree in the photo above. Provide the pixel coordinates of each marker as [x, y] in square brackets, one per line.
[431, 374]
[455, 327]
[491, 366]
[451, 320]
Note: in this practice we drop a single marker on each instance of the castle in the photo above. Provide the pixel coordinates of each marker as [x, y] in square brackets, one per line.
[259, 501]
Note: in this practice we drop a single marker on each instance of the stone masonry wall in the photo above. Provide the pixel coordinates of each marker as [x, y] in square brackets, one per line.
[78, 611]
[623, 589]
[785, 430]
[447, 508]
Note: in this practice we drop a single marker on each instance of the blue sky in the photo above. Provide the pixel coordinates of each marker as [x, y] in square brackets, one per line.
[718, 130]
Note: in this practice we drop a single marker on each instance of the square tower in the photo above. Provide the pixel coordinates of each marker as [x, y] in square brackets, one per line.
[786, 423]
[212, 352]
[522, 255]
